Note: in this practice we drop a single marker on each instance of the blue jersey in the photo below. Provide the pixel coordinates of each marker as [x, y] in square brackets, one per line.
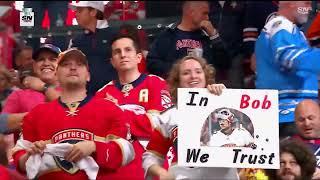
[287, 63]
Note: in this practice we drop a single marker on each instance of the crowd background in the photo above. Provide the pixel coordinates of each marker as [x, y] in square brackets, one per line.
[227, 42]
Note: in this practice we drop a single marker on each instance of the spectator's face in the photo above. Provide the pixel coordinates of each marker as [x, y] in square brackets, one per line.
[84, 16]
[289, 168]
[45, 66]
[307, 119]
[72, 72]
[191, 75]
[199, 13]
[300, 10]
[124, 55]
[24, 58]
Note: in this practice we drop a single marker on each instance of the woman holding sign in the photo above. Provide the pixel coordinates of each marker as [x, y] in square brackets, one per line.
[188, 72]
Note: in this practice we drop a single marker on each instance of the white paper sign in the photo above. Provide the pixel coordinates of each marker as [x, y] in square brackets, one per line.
[243, 132]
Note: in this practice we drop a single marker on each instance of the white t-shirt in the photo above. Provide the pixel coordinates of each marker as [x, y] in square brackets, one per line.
[240, 137]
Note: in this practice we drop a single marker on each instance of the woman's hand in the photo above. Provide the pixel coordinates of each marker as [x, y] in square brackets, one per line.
[216, 89]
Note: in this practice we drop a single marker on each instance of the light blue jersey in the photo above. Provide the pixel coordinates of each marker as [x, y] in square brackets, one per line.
[287, 63]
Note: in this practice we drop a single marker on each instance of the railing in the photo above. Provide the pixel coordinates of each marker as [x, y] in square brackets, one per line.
[151, 26]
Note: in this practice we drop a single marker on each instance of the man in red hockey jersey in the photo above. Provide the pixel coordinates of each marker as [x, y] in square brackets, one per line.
[95, 127]
[136, 94]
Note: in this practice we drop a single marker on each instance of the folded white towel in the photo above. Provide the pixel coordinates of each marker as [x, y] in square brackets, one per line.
[88, 164]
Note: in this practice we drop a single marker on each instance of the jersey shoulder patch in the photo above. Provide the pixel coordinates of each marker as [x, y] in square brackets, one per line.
[277, 24]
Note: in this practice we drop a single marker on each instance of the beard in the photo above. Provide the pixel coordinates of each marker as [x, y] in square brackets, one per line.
[288, 175]
[73, 85]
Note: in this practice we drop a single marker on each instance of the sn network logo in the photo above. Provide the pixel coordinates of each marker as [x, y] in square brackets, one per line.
[27, 17]
[304, 10]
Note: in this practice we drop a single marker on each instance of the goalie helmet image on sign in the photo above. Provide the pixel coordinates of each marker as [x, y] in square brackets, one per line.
[226, 127]
[225, 114]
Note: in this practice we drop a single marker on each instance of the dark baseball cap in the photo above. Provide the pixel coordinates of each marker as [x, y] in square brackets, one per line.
[47, 47]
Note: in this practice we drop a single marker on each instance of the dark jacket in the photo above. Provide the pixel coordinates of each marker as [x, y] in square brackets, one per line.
[163, 54]
[228, 20]
[256, 14]
[96, 46]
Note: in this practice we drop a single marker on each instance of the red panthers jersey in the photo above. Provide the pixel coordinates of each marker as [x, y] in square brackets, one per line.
[91, 119]
[148, 93]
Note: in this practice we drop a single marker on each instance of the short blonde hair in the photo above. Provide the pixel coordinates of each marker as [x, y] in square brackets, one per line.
[174, 74]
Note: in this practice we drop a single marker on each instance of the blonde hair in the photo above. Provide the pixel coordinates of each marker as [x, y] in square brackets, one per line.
[174, 74]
